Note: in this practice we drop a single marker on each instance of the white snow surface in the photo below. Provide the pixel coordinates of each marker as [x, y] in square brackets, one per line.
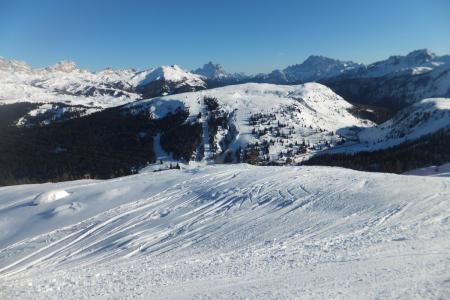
[441, 171]
[419, 119]
[229, 231]
[50, 196]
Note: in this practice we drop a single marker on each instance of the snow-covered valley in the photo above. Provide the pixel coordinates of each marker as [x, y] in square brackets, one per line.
[228, 231]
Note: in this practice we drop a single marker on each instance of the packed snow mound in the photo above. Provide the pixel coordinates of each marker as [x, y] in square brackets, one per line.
[230, 231]
[50, 196]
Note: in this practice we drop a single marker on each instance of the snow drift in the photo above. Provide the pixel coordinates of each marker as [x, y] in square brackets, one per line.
[50, 196]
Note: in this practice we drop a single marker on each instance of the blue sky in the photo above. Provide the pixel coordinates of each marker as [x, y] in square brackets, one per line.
[250, 36]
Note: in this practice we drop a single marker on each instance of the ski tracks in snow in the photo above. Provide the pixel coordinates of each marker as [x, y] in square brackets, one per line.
[221, 222]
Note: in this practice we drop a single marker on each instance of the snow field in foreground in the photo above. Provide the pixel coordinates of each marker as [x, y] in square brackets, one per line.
[230, 231]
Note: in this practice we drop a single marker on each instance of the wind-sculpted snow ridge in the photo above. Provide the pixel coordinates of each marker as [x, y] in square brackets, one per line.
[287, 121]
[229, 231]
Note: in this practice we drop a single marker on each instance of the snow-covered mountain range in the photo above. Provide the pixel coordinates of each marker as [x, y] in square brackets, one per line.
[66, 83]
[217, 197]
[414, 63]
[314, 68]
[395, 82]
[64, 89]
[182, 119]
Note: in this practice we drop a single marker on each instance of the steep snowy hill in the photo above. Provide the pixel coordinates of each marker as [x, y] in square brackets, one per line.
[235, 231]
[418, 120]
[273, 123]
[416, 137]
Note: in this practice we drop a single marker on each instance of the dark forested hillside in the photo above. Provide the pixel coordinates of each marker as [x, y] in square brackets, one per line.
[106, 144]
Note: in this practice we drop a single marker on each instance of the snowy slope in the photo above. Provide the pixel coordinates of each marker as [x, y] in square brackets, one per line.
[440, 171]
[413, 122]
[414, 63]
[259, 113]
[230, 231]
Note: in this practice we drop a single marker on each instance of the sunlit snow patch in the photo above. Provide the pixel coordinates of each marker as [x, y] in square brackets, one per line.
[50, 196]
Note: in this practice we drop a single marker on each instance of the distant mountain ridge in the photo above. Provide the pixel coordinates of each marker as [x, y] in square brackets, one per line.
[390, 84]
[394, 83]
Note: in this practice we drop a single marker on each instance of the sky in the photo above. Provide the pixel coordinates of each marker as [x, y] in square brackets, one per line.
[244, 36]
